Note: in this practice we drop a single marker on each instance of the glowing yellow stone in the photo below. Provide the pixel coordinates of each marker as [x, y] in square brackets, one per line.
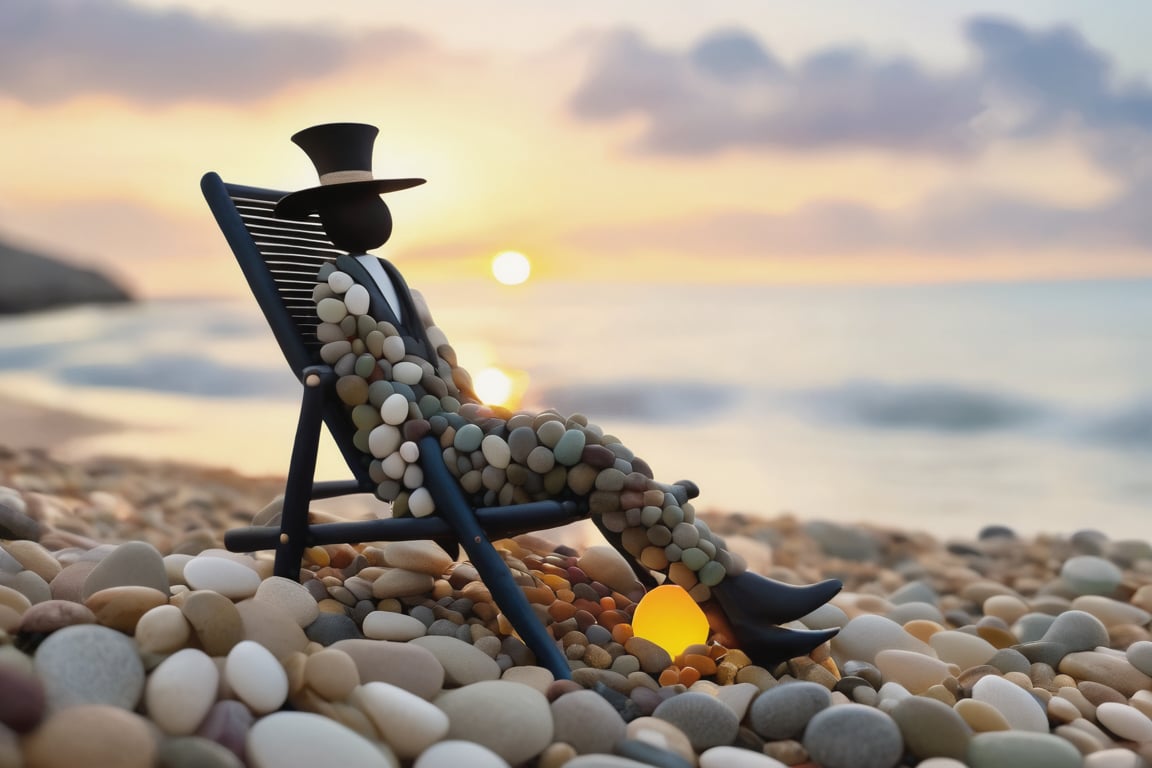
[669, 617]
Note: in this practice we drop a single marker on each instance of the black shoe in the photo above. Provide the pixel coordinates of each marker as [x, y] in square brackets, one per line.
[753, 600]
[754, 605]
[769, 645]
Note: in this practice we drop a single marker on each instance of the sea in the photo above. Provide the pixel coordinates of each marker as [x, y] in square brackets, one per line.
[938, 408]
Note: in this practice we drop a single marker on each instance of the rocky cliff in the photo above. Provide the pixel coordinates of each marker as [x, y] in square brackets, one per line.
[31, 282]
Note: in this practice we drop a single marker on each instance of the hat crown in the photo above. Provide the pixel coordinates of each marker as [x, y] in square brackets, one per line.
[336, 147]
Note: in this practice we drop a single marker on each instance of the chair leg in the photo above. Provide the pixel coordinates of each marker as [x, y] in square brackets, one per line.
[451, 506]
[301, 470]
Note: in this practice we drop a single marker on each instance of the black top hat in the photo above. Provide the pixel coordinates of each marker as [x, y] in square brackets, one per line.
[342, 154]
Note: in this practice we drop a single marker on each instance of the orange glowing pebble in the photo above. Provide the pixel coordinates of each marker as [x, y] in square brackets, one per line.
[622, 633]
[688, 676]
[670, 676]
[670, 618]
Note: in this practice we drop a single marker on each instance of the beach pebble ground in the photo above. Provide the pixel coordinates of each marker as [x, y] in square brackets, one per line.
[130, 637]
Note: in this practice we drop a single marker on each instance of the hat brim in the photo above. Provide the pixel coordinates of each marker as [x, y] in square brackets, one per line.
[298, 205]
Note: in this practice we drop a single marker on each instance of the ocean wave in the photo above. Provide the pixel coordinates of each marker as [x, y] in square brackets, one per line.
[1128, 426]
[958, 410]
[181, 374]
[937, 407]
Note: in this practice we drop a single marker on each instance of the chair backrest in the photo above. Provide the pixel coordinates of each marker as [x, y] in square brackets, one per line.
[280, 259]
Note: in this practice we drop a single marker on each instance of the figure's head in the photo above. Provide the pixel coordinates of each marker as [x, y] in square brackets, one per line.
[356, 222]
[348, 198]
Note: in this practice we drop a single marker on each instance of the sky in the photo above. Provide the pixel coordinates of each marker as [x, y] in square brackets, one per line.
[729, 141]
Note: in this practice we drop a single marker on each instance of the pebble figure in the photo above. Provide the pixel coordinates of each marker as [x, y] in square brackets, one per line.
[400, 380]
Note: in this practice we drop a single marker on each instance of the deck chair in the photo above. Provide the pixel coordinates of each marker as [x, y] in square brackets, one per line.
[280, 260]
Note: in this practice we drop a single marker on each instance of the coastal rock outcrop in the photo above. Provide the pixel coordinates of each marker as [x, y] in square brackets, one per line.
[32, 282]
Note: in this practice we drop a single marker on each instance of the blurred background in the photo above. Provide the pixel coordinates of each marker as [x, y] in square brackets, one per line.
[881, 262]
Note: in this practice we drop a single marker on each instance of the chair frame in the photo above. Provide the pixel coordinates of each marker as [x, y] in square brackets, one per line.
[280, 259]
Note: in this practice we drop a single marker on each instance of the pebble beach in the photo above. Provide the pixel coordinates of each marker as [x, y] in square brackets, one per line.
[130, 637]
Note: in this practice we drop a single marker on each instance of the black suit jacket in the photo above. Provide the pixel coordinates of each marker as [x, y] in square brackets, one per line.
[412, 327]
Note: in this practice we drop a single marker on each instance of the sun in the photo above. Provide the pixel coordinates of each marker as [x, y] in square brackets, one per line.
[511, 268]
[493, 386]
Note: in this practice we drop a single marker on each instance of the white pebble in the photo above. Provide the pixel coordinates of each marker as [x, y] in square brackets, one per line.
[413, 477]
[256, 677]
[735, 757]
[962, 649]
[496, 451]
[393, 348]
[340, 281]
[408, 723]
[407, 372]
[162, 629]
[1111, 612]
[384, 440]
[291, 739]
[1017, 705]
[454, 753]
[1116, 757]
[1124, 721]
[289, 597]
[394, 466]
[357, 300]
[394, 409]
[181, 690]
[235, 581]
[389, 625]
[331, 310]
[410, 452]
[420, 503]
[914, 671]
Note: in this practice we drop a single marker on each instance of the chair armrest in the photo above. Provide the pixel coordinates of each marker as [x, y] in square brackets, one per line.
[328, 489]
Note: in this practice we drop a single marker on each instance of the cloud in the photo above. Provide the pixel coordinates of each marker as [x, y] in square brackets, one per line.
[52, 50]
[1048, 81]
[955, 223]
[729, 91]
[1055, 75]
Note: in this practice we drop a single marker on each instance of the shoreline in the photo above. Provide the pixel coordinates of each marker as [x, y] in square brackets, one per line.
[28, 424]
[81, 437]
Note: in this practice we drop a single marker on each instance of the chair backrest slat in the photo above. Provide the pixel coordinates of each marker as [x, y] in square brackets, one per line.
[280, 259]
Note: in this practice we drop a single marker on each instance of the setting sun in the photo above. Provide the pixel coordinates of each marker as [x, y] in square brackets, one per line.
[511, 268]
[493, 386]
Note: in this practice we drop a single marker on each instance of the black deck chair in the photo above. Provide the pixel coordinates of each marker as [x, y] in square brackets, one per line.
[280, 259]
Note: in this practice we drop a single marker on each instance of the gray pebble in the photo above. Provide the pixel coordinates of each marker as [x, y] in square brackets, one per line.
[90, 664]
[704, 719]
[195, 752]
[1010, 660]
[914, 592]
[782, 712]
[329, 628]
[853, 736]
[1077, 631]
[650, 754]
